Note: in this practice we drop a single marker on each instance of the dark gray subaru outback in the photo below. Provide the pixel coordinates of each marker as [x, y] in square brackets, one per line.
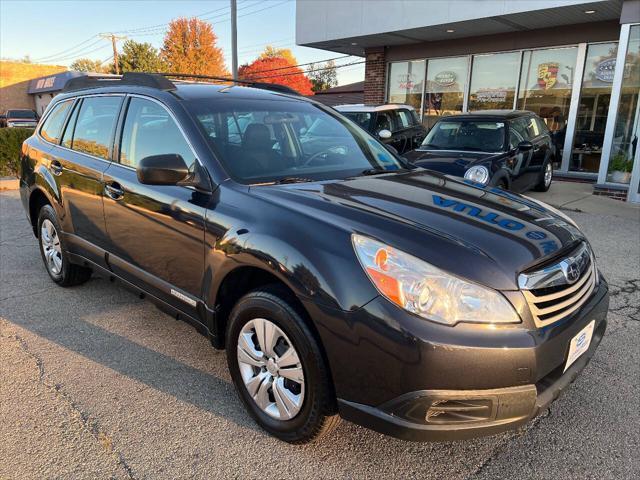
[342, 280]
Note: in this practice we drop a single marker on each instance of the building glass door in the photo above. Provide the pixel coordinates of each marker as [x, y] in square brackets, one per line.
[546, 81]
[593, 107]
[493, 81]
[445, 88]
[626, 131]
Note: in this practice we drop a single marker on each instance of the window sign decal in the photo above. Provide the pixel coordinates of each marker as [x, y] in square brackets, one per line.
[548, 75]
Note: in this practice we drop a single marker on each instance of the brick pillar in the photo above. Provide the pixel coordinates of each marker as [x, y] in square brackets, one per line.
[374, 75]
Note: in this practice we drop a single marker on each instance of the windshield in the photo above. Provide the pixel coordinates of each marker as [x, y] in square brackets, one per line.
[21, 114]
[480, 136]
[262, 141]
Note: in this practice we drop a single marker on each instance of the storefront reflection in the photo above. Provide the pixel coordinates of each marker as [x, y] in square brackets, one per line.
[625, 136]
[595, 95]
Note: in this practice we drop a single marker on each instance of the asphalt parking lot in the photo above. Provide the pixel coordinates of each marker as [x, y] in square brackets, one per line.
[96, 383]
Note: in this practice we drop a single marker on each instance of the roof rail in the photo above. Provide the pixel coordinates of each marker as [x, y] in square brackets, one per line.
[274, 87]
[161, 82]
[152, 80]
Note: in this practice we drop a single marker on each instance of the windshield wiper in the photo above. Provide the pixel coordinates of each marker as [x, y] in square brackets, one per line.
[376, 171]
[286, 180]
[430, 145]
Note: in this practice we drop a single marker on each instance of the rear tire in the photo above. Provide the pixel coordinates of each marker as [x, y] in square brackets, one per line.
[266, 325]
[546, 177]
[53, 252]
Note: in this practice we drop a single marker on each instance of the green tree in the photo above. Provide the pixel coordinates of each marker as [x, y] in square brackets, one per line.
[87, 65]
[139, 57]
[322, 76]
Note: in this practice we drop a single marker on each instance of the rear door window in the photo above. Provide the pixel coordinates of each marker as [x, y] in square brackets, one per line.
[52, 128]
[95, 125]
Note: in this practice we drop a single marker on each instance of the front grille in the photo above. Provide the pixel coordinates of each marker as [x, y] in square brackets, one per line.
[548, 304]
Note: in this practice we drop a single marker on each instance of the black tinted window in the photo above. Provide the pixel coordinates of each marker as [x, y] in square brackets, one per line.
[150, 130]
[67, 136]
[95, 124]
[27, 114]
[55, 121]
[405, 118]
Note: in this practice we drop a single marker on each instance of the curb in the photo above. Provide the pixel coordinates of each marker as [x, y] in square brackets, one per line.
[9, 183]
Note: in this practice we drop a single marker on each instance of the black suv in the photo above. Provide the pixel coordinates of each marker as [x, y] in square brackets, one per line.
[395, 125]
[510, 149]
[342, 282]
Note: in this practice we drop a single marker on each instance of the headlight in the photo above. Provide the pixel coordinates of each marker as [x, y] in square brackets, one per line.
[427, 291]
[478, 174]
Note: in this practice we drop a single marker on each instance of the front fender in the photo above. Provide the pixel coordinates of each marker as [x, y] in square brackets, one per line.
[325, 271]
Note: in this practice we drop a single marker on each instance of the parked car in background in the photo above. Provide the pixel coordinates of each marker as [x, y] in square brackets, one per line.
[395, 125]
[508, 149]
[20, 118]
[342, 282]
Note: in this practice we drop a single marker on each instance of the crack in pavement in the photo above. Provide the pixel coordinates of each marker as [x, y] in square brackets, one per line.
[86, 422]
[626, 297]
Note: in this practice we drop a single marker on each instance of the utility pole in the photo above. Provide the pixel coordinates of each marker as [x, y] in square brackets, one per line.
[114, 39]
[234, 41]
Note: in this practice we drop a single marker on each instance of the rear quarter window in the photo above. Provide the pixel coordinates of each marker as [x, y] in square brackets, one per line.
[52, 127]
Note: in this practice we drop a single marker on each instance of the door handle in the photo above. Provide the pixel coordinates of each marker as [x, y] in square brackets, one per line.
[56, 167]
[114, 191]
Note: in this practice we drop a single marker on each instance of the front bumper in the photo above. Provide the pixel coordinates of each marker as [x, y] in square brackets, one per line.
[463, 414]
[412, 379]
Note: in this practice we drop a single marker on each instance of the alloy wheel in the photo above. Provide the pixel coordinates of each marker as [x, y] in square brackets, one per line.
[271, 369]
[548, 174]
[50, 242]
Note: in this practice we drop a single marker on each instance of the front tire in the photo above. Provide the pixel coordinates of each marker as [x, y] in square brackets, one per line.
[278, 368]
[54, 254]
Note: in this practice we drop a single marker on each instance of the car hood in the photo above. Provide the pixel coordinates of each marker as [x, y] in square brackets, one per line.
[481, 233]
[451, 162]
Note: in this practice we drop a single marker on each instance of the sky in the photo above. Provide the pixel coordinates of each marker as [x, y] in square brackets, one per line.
[58, 32]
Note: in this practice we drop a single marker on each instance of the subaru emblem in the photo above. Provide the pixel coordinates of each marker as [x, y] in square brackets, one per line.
[572, 273]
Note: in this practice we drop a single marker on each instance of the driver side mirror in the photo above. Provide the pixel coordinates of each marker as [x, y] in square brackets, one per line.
[525, 146]
[167, 169]
[384, 134]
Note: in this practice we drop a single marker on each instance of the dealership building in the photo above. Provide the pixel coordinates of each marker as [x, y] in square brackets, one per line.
[574, 63]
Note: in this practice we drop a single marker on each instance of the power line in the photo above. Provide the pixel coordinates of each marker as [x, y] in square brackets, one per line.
[53, 57]
[304, 64]
[308, 71]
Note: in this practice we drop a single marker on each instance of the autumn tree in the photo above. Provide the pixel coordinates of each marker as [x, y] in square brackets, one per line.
[276, 70]
[323, 76]
[87, 65]
[190, 47]
[139, 57]
[272, 52]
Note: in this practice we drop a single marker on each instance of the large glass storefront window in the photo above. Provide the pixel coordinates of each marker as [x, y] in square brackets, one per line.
[493, 81]
[595, 94]
[545, 88]
[406, 83]
[626, 131]
[445, 87]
